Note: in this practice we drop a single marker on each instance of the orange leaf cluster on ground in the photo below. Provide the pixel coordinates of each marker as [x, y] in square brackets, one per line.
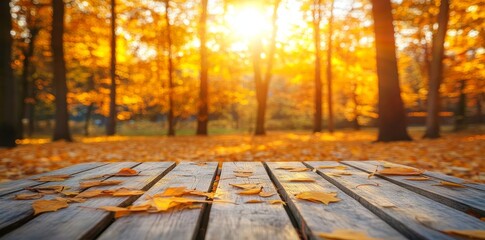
[460, 154]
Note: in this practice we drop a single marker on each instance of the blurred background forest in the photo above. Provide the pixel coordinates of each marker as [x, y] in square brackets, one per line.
[158, 63]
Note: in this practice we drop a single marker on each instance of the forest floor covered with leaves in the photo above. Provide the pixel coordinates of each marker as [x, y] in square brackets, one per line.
[459, 154]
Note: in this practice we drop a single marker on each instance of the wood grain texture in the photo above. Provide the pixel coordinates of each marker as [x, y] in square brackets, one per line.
[15, 212]
[83, 220]
[414, 215]
[18, 185]
[173, 224]
[467, 199]
[316, 217]
[244, 220]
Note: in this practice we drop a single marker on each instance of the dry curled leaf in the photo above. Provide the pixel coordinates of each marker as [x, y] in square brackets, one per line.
[172, 192]
[72, 199]
[346, 234]
[200, 193]
[53, 178]
[90, 194]
[54, 189]
[367, 184]
[276, 202]
[41, 206]
[254, 201]
[125, 192]
[266, 194]
[119, 211]
[241, 170]
[126, 172]
[316, 196]
[301, 169]
[250, 191]
[301, 179]
[450, 184]
[241, 174]
[340, 167]
[285, 167]
[400, 171]
[246, 185]
[473, 234]
[99, 183]
[418, 178]
[69, 193]
[28, 196]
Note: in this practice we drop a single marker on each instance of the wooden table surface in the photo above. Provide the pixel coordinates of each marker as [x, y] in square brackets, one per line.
[382, 206]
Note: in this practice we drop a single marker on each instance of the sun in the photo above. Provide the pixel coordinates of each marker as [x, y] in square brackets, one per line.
[248, 21]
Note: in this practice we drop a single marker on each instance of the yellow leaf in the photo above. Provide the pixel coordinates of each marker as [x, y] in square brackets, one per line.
[200, 193]
[243, 174]
[243, 171]
[340, 167]
[123, 192]
[450, 184]
[302, 169]
[254, 201]
[285, 167]
[418, 178]
[345, 234]
[246, 185]
[28, 196]
[473, 234]
[301, 179]
[173, 192]
[266, 194]
[99, 183]
[90, 194]
[315, 196]
[119, 211]
[400, 171]
[139, 208]
[250, 191]
[41, 206]
[276, 202]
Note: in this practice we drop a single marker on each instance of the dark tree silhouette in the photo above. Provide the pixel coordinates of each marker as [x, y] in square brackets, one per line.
[329, 70]
[317, 18]
[436, 73]
[392, 117]
[8, 98]
[61, 129]
[111, 124]
[203, 116]
[171, 118]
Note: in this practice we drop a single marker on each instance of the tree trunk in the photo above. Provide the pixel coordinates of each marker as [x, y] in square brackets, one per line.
[203, 116]
[460, 113]
[262, 84]
[355, 121]
[436, 74]
[61, 129]
[479, 100]
[171, 118]
[90, 107]
[392, 117]
[32, 95]
[329, 70]
[8, 91]
[317, 17]
[111, 124]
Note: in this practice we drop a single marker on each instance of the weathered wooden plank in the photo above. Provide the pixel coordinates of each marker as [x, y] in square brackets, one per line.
[15, 212]
[317, 217]
[83, 220]
[17, 185]
[174, 224]
[414, 215]
[464, 199]
[245, 220]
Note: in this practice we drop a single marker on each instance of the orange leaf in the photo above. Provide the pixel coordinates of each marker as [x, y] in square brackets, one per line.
[53, 178]
[340, 167]
[301, 179]
[246, 185]
[301, 169]
[250, 191]
[28, 196]
[276, 202]
[345, 234]
[119, 211]
[315, 196]
[48, 189]
[400, 171]
[172, 192]
[124, 172]
[450, 184]
[41, 206]
[123, 192]
[473, 234]
[254, 201]
[90, 194]
[266, 194]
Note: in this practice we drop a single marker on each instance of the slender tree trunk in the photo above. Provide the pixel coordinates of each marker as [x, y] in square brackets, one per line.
[90, 107]
[460, 113]
[262, 84]
[317, 17]
[8, 91]
[356, 107]
[329, 70]
[392, 117]
[111, 124]
[436, 74]
[32, 95]
[171, 118]
[479, 100]
[203, 116]
[61, 128]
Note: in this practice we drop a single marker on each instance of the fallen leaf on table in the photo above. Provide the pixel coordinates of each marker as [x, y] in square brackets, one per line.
[400, 171]
[250, 191]
[99, 183]
[449, 184]
[28, 196]
[172, 192]
[301, 169]
[41, 206]
[418, 178]
[70, 200]
[53, 178]
[139, 208]
[340, 167]
[246, 185]
[69, 193]
[285, 167]
[276, 202]
[200, 193]
[119, 211]
[346, 234]
[473, 234]
[254, 201]
[124, 192]
[126, 172]
[266, 194]
[163, 204]
[316, 196]
[367, 184]
[54, 189]
[243, 171]
[90, 193]
[243, 174]
[301, 179]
